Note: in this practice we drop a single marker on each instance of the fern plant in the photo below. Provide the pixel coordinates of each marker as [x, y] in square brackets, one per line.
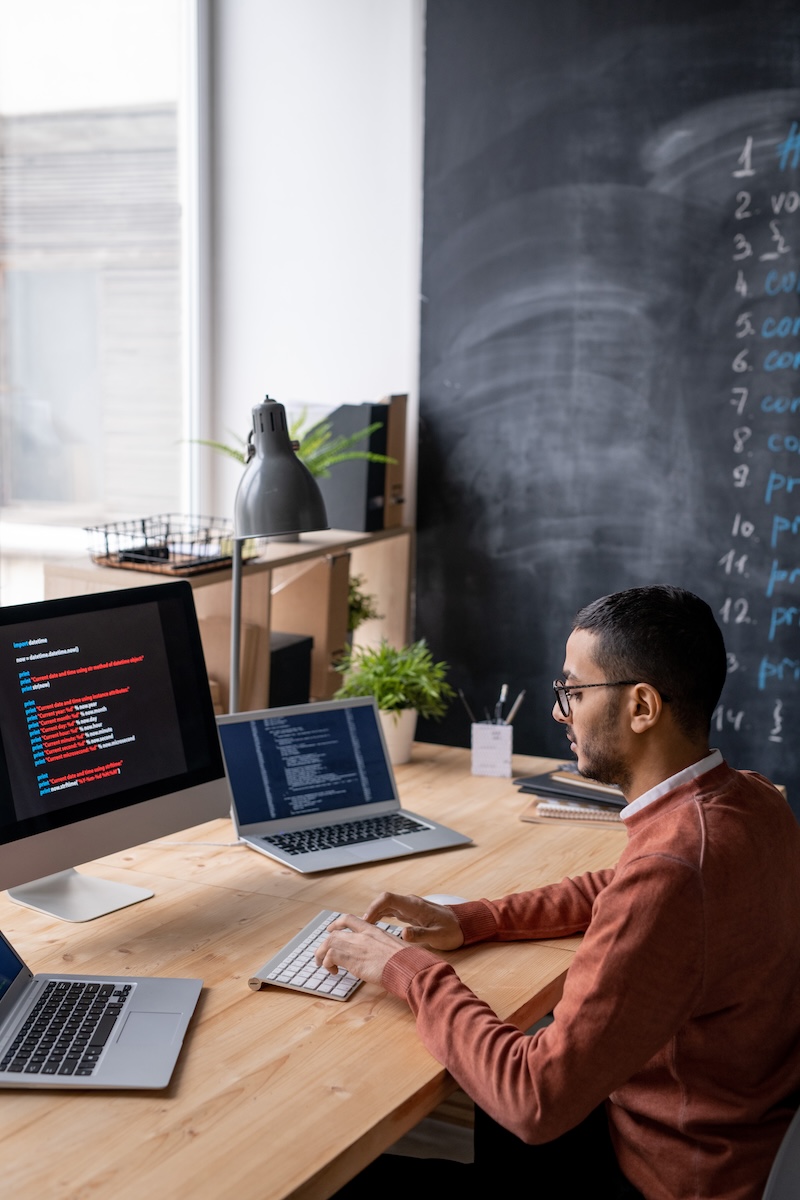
[398, 678]
[316, 446]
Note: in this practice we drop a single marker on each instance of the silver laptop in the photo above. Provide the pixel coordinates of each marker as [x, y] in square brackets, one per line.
[312, 787]
[89, 1031]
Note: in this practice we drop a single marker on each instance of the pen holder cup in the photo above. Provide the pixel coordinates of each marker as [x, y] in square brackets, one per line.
[492, 746]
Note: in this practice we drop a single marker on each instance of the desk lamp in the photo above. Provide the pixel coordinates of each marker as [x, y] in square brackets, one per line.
[277, 495]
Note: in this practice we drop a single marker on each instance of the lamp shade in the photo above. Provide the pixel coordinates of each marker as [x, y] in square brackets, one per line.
[277, 493]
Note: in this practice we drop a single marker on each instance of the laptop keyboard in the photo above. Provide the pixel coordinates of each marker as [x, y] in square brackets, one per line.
[67, 1028]
[294, 966]
[347, 833]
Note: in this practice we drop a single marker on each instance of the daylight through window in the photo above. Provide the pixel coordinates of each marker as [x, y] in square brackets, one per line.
[91, 390]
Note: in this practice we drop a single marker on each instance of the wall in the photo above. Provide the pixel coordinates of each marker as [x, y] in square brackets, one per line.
[316, 132]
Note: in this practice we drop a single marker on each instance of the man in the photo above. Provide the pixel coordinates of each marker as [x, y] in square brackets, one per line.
[676, 1043]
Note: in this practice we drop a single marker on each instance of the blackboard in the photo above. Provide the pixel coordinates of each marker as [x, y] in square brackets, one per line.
[610, 344]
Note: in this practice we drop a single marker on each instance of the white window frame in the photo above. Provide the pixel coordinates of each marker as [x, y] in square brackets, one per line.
[195, 189]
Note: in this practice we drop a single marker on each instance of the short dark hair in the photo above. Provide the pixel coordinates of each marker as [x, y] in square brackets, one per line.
[664, 636]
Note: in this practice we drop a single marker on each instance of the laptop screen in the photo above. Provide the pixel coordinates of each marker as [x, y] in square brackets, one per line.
[300, 761]
[10, 966]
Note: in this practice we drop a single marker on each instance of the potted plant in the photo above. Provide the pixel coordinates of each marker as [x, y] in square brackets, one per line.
[405, 681]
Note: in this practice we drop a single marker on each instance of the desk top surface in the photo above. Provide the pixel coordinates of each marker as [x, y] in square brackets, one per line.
[279, 1094]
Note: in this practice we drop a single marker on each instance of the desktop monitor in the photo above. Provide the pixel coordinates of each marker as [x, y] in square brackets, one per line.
[107, 739]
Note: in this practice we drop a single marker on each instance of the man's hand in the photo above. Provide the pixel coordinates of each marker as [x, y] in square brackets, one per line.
[359, 947]
[433, 925]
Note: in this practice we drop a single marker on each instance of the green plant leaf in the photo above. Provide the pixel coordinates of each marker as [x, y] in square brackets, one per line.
[361, 607]
[238, 453]
[320, 450]
[404, 677]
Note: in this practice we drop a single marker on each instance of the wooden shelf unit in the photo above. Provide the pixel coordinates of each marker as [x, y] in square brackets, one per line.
[292, 587]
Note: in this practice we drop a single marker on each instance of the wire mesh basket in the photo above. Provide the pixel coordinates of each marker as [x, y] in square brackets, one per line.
[168, 544]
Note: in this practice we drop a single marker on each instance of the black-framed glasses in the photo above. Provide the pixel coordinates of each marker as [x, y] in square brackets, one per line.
[562, 690]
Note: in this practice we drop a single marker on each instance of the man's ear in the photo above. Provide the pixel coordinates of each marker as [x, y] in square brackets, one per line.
[646, 707]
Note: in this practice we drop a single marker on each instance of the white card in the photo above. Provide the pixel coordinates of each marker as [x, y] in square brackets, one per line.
[491, 749]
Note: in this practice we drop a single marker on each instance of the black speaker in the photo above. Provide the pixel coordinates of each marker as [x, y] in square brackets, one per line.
[289, 668]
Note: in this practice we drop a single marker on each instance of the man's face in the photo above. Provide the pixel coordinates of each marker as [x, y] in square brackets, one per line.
[596, 724]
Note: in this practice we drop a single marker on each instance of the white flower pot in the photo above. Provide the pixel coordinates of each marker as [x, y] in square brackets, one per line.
[398, 730]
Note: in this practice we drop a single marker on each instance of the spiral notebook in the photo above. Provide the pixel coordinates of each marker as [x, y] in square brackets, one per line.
[547, 808]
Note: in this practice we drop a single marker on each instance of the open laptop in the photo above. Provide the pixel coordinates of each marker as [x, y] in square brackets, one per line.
[312, 787]
[89, 1031]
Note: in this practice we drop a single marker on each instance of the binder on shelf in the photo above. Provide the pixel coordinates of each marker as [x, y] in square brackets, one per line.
[394, 485]
[361, 495]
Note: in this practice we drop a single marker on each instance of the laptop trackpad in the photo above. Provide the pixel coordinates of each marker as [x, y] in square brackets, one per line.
[390, 848]
[149, 1029]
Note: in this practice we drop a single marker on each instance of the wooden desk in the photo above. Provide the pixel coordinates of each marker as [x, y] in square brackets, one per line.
[277, 1094]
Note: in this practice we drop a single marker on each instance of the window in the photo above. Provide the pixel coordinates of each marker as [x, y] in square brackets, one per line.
[95, 373]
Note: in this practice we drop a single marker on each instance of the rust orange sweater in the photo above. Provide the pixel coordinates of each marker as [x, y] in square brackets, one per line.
[681, 1007]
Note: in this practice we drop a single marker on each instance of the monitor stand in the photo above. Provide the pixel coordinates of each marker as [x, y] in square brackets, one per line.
[74, 897]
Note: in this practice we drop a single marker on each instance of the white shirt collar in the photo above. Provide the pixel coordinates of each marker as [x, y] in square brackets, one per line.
[685, 776]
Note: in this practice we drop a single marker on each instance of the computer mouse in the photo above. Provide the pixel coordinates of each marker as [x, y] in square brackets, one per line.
[444, 898]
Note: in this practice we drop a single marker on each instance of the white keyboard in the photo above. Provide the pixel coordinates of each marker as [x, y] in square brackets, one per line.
[294, 966]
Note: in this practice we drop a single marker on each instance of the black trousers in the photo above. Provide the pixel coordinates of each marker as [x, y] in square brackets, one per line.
[581, 1163]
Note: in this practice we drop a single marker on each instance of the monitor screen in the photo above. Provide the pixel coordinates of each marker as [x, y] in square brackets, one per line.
[107, 730]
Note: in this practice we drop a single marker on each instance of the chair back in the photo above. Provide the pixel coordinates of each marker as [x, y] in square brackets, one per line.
[783, 1182]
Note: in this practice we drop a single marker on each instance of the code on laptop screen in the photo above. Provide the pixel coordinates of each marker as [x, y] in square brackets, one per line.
[306, 762]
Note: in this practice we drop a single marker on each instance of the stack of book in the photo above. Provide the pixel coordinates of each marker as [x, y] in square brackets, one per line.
[565, 794]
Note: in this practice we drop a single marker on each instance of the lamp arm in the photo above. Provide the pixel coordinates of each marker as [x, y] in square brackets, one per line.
[236, 625]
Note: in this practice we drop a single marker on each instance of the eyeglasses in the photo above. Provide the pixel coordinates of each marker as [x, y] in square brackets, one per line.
[562, 690]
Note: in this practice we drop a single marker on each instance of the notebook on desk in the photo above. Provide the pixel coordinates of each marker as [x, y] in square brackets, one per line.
[89, 1031]
[312, 787]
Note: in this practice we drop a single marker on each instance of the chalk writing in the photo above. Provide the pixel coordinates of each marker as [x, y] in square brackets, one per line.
[764, 432]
